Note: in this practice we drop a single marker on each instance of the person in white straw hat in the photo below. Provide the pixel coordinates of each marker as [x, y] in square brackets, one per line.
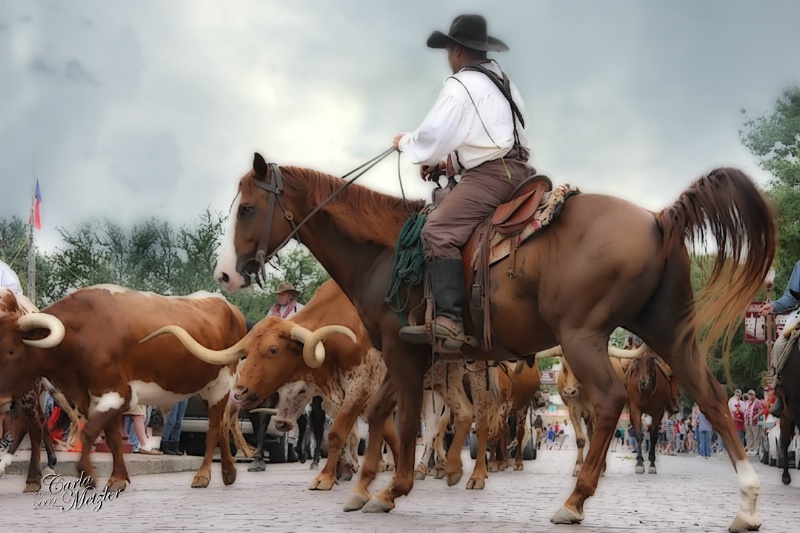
[287, 304]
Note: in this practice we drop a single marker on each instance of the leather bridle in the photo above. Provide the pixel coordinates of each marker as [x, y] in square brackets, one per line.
[272, 184]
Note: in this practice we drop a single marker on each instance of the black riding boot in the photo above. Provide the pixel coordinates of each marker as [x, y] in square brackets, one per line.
[447, 278]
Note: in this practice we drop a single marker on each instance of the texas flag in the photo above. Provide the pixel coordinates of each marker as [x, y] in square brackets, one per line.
[37, 200]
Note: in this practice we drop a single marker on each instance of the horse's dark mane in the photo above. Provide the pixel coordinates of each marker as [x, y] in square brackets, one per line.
[379, 216]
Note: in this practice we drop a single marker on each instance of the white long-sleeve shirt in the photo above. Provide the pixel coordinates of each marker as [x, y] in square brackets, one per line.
[454, 123]
[9, 279]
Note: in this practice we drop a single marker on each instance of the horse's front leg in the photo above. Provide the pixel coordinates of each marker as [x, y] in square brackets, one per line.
[406, 368]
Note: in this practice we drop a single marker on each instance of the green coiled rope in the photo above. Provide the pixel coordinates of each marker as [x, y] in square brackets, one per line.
[409, 265]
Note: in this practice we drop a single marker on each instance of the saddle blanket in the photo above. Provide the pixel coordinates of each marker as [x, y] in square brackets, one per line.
[548, 210]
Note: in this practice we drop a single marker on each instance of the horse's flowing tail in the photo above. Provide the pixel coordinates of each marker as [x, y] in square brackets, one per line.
[727, 203]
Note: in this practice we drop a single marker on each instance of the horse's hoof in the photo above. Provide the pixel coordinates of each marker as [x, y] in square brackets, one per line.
[439, 473]
[229, 476]
[639, 469]
[356, 501]
[32, 487]
[346, 475]
[200, 482]
[745, 522]
[323, 483]
[565, 516]
[377, 505]
[454, 478]
[652, 470]
[314, 466]
[116, 484]
[419, 475]
[576, 471]
[476, 484]
[48, 472]
[787, 479]
[519, 468]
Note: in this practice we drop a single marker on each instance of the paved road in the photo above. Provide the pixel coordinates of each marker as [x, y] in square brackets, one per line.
[688, 494]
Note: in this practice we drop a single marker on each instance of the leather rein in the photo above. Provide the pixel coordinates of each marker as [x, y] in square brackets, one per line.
[273, 185]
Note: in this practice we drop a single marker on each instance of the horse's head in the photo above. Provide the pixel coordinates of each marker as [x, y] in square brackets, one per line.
[260, 221]
[644, 372]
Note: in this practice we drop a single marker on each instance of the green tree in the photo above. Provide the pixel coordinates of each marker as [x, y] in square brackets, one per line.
[299, 267]
[774, 139]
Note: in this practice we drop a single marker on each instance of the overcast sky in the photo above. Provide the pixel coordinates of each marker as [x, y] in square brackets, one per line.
[140, 109]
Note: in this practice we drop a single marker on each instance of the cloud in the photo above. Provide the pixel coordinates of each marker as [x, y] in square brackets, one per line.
[154, 109]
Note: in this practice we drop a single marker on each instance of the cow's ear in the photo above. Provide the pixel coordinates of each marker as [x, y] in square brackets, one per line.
[260, 166]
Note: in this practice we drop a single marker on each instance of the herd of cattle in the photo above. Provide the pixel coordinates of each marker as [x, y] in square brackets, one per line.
[107, 348]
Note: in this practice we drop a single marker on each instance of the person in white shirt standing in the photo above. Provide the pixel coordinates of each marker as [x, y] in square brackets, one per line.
[475, 126]
[9, 278]
[287, 304]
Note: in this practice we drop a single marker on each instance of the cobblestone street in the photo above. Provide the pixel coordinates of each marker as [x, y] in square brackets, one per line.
[688, 494]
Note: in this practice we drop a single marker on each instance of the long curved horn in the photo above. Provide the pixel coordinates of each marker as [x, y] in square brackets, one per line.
[555, 351]
[619, 353]
[313, 349]
[214, 357]
[42, 320]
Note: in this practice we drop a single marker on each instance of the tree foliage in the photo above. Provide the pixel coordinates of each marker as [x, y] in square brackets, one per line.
[774, 139]
[155, 256]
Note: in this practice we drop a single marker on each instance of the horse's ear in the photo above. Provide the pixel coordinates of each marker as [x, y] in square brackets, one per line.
[259, 166]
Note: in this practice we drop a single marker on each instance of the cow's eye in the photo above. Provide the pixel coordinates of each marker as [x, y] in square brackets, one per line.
[12, 351]
[273, 350]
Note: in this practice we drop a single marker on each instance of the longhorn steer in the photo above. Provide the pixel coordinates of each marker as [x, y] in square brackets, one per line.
[347, 371]
[30, 418]
[88, 345]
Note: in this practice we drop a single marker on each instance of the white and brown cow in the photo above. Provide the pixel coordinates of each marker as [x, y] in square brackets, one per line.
[293, 399]
[88, 345]
[346, 369]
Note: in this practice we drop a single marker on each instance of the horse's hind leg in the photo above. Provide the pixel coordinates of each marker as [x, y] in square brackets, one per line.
[587, 354]
[686, 361]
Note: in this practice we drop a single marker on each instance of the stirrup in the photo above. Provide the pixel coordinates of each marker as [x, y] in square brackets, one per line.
[414, 334]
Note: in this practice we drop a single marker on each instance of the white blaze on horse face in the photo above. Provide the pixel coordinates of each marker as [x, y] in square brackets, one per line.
[225, 273]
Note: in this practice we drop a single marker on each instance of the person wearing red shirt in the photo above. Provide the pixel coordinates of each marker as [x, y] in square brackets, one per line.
[738, 421]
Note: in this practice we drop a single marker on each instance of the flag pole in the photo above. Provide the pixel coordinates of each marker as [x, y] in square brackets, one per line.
[32, 244]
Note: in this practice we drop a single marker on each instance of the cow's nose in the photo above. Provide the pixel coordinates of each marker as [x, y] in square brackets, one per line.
[570, 392]
[223, 278]
[238, 394]
[283, 425]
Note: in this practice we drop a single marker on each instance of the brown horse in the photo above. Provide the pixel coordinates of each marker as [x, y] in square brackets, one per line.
[789, 389]
[604, 263]
[649, 392]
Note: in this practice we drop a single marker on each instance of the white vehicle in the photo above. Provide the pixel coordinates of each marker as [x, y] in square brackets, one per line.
[771, 444]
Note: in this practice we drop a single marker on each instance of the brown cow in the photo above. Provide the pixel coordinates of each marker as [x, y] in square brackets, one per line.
[31, 418]
[578, 403]
[347, 371]
[524, 384]
[88, 345]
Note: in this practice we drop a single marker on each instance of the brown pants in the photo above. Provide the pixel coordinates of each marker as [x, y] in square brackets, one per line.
[475, 198]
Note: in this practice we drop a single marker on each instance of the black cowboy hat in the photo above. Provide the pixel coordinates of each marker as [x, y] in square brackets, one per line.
[469, 31]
